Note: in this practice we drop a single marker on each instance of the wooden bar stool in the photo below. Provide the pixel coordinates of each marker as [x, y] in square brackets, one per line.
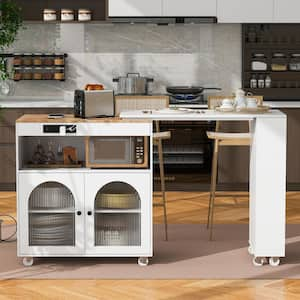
[127, 102]
[222, 139]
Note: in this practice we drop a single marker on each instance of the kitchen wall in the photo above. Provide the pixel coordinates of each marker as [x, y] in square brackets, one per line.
[205, 54]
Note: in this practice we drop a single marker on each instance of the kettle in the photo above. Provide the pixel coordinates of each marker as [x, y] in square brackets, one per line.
[240, 98]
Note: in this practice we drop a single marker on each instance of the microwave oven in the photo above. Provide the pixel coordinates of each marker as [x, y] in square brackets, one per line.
[117, 152]
[94, 104]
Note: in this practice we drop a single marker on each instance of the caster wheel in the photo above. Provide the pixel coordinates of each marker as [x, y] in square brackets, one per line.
[274, 261]
[258, 261]
[250, 251]
[28, 261]
[143, 261]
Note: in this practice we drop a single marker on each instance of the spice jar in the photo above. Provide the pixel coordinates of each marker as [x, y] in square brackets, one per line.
[84, 14]
[49, 59]
[59, 60]
[49, 14]
[27, 59]
[67, 14]
[37, 75]
[294, 64]
[37, 59]
[17, 74]
[17, 59]
[47, 75]
[27, 75]
[59, 74]
[279, 62]
[259, 62]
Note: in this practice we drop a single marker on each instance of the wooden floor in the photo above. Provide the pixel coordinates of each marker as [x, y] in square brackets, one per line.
[183, 207]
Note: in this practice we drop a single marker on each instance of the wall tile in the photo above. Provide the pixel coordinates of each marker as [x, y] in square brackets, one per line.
[206, 54]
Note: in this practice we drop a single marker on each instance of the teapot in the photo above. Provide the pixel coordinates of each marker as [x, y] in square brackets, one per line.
[240, 98]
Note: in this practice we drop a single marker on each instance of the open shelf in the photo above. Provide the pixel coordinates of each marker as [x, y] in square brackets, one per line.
[277, 46]
[32, 11]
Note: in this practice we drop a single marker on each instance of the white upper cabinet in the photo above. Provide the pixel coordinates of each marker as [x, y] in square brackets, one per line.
[247, 11]
[134, 8]
[287, 11]
[189, 8]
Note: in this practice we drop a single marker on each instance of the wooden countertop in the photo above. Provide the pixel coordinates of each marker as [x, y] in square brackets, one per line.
[43, 118]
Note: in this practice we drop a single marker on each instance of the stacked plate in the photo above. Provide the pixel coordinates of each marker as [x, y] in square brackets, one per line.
[51, 229]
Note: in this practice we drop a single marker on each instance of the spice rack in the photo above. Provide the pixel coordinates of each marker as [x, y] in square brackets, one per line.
[271, 60]
[38, 66]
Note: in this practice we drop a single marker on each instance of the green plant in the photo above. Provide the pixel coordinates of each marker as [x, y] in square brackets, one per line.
[10, 23]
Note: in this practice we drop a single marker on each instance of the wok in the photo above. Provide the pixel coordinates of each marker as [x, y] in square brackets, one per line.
[188, 89]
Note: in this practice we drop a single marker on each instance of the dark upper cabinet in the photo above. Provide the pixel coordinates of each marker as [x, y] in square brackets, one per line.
[33, 10]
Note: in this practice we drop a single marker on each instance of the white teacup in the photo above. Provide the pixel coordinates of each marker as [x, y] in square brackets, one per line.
[251, 103]
[227, 103]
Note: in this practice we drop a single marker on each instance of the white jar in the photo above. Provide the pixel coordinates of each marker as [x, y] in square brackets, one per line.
[49, 14]
[84, 14]
[67, 14]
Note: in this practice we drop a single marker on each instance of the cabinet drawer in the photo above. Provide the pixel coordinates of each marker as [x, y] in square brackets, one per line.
[7, 164]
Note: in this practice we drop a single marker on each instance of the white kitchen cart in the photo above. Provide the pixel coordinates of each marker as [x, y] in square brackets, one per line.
[81, 211]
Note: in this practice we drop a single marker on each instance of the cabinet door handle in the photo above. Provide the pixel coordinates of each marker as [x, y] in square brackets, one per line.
[79, 213]
[89, 213]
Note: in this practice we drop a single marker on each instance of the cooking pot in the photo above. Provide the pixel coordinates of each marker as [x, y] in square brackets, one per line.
[133, 84]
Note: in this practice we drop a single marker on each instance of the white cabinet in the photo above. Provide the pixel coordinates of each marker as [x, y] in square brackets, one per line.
[50, 214]
[134, 8]
[245, 11]
[287, 11]
[118, 213]
[189, 8]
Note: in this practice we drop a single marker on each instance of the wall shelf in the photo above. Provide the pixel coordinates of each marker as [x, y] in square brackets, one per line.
[32, 11]
[263, 43]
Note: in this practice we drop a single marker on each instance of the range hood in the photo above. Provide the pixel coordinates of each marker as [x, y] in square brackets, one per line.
[164, 20]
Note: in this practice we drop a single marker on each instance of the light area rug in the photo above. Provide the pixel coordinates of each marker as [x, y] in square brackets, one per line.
[187, 255]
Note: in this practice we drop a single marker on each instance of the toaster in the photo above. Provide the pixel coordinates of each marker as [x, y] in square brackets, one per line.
[94, 104]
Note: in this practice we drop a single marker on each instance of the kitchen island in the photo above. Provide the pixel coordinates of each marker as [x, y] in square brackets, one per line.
[267, 174]
[84, 187]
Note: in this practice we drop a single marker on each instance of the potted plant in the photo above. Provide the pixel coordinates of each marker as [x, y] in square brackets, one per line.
[10, 23]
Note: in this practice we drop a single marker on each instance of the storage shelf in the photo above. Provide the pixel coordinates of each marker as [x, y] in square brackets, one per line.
[58, 22]
[273, 72]
[117, 211]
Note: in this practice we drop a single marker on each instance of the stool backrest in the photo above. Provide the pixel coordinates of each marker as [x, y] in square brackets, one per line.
[132, 102]
[215, 101]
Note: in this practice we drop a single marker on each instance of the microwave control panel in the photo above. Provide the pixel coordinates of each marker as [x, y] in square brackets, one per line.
[139, 150]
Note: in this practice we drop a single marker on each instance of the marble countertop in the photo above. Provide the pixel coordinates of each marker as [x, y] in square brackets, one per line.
[48, 102]
[35, 102]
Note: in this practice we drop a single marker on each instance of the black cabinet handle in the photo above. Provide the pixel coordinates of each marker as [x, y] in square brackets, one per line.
[89, 213]
[79, 213]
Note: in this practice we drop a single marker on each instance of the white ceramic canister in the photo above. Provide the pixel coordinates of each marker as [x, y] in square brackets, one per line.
[49, 14]
[67, 14]
[84, 14]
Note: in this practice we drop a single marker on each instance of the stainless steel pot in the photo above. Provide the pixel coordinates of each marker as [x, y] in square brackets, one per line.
[133, 84]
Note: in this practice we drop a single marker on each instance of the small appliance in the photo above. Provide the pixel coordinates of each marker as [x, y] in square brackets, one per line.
[94, 103]
[117, 152]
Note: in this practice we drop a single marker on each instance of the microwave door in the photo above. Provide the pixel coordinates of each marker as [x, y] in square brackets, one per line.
[111, 151]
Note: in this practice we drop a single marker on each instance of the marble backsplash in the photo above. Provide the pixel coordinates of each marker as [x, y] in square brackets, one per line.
[204, 54]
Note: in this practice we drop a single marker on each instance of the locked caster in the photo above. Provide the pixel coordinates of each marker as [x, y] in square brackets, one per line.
[28, 261]
[274, 261]
[143, 261]
[258, 261]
